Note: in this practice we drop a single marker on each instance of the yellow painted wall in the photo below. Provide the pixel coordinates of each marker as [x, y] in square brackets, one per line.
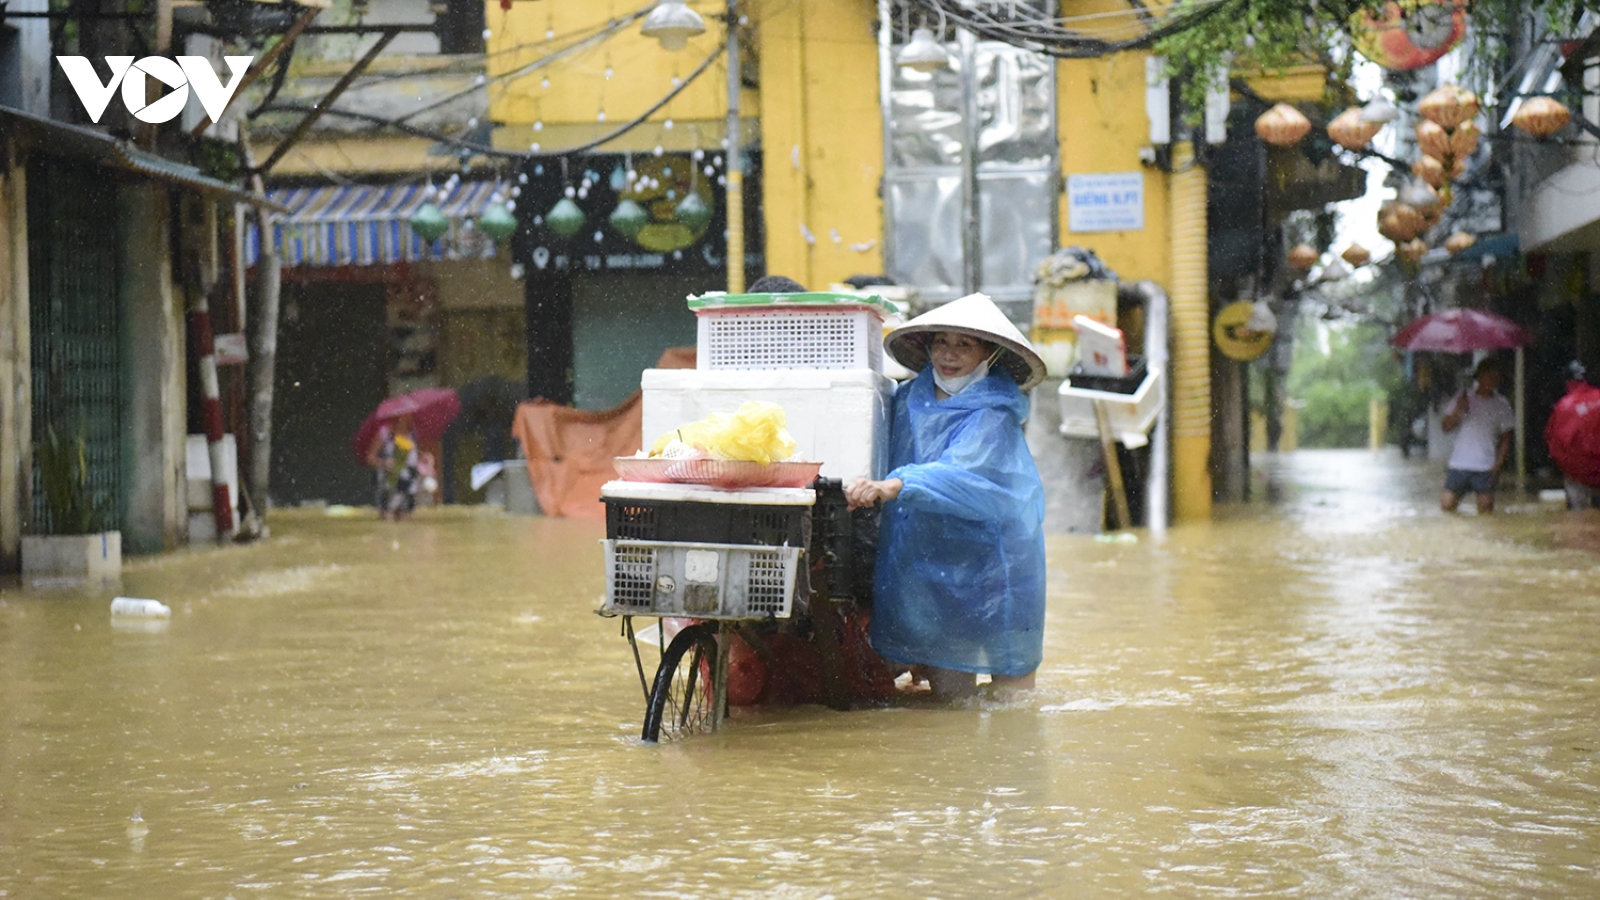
[822, 139]
[642, 71]
[1102, 122]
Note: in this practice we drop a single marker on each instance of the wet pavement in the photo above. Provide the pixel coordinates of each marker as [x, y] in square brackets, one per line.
[1335, 692]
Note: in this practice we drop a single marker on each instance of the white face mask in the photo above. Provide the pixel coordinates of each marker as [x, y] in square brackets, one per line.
[959, 383]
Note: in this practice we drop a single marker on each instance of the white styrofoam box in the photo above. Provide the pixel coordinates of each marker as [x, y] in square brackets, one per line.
[694, 493]
[789, 338]
[839, 417]
[1132, 415]
[198, 455]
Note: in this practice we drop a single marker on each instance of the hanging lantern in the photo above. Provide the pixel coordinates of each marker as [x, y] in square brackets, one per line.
[1464, 139]
[565, 218]
[1350, 132]
[497, 221]
[1356, 255]
[1541, 116]
[1282, 126]
[1411, 251]
[693, 213]
[1458, 168]
[923, 53]
[628, 218]
[1303, 257]
[1408, 34]
[672, 23]
[1399, 222]
[1433, 140]
[1448, 106]
[1429, 170]
[428, 222]
[1421, 196]
[1458, 242]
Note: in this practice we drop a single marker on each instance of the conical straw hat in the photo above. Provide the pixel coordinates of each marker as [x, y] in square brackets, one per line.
[975, 315]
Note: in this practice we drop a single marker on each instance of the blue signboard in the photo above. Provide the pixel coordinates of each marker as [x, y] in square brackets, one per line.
[1106, 202]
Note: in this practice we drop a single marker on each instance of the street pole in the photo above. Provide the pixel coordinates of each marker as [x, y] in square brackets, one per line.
[734, 192]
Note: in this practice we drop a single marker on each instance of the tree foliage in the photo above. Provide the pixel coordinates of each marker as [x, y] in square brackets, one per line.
[1338, 369]
[1273, 35]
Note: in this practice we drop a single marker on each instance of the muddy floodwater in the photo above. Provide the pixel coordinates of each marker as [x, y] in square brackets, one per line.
[1334, 692]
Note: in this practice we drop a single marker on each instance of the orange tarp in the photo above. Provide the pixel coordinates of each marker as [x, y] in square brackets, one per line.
[570, 450]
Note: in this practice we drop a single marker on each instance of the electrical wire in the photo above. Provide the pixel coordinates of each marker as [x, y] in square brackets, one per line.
[488, 150]
[1042, 35]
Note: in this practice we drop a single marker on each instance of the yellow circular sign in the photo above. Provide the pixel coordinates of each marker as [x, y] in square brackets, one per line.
[1234, 336]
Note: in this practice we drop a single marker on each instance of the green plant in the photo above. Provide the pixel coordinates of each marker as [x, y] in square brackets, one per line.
[64, 477]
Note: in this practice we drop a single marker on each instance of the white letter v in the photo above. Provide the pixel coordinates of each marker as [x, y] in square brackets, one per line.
[213, 94]
[93, 94]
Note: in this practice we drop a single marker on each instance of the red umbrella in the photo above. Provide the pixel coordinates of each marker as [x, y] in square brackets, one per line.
[1573, 433]
[1461, 331]
[431, 411]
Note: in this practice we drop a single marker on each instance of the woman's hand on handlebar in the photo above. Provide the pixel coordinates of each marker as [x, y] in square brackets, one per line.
[863, 492]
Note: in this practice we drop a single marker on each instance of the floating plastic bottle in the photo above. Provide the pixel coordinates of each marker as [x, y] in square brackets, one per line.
[133, 606]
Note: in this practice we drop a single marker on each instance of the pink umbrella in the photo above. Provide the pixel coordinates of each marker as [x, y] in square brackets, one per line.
[1461, 331]
[1466, 330]
[431, 410]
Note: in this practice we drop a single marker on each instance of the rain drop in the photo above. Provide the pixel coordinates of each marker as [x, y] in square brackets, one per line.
[608, 71]
[511, 206]
[667, 171]
[672, 195]
[538, 169]
[544, 83]
[571, 192]
[722, 180]
[480, 80]
[516, 191]
[538, 125]
[523, 178]
[583, 193]
[597, 237]
[487, 34]
[698, 154]
[538, 220]
[658, 150]
[667, 124]
[632, 175]
[717, 161]
[601, 116]
[549, 34]
[472, 122]
[676, 81]
[534, 146]
[708, 170]
[677, 254]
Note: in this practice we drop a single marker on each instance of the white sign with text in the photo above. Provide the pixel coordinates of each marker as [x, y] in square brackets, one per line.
[179, 76]
[1105, 202]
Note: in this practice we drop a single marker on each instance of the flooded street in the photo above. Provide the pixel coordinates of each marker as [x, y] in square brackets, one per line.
[1335, 692]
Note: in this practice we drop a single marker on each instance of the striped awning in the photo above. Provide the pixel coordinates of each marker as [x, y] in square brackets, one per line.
[368, 225]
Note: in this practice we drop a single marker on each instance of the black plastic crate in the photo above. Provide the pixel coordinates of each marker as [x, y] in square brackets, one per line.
[707, 523]
[1114, 384]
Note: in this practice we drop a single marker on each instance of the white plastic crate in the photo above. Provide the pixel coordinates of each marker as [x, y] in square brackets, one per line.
[1132, 415]
[702, 581]
[839, 418]
[790, 338]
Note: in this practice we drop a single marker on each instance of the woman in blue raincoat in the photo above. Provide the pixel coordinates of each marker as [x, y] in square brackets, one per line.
[960, 581]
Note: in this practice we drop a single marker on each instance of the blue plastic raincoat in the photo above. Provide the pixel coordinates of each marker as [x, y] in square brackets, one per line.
[960, 579]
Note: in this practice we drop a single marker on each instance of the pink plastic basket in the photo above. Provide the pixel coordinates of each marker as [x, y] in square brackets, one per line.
[729, 474]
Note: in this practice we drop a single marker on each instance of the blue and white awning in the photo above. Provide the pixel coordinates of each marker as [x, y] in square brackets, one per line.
[368, 225]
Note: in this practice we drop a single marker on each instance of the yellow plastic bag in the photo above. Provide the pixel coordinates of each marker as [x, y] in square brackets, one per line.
[755, 432]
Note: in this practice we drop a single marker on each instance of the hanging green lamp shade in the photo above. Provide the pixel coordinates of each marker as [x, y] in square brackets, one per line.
[429, 223]
[565, 218]
[497, 221]
[693, 213]
[628, 218]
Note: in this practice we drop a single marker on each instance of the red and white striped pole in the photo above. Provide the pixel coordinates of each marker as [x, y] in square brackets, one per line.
[211, 413]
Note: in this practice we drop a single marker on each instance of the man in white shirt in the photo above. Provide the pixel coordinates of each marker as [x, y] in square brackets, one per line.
[1482, 421]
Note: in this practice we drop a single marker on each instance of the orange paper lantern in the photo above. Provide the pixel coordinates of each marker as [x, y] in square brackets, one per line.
[1282, 126]
[1429, 170]
[1448, 106]
[1411, 251]
[1348, 131]
[1303, 257]
[1464, 139]
[1541, 116]
[1433, 140]
[1458, 242]
[1356, 255]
